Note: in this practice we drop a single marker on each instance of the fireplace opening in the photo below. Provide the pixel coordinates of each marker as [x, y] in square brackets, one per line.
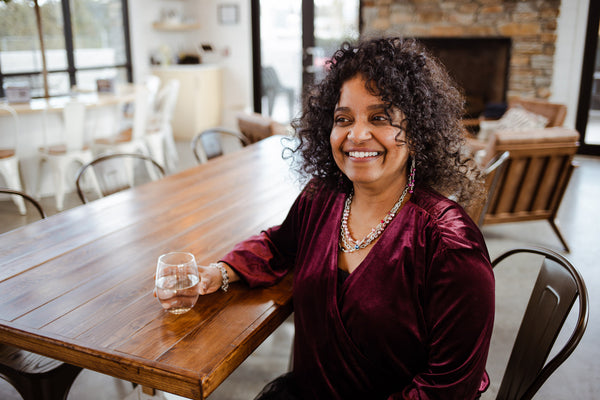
[478, 65]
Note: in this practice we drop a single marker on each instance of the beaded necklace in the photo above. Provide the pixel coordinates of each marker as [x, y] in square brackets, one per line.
[348, 244]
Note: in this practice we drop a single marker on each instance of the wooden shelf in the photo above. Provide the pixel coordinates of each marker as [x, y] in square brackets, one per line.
[162, 26]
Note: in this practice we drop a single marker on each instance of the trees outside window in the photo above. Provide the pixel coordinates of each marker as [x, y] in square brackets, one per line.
[83, 40]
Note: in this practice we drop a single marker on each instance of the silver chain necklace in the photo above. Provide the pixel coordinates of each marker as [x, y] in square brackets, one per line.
[347, 243]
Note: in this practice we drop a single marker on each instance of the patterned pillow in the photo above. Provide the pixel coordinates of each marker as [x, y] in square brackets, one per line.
[518, 118]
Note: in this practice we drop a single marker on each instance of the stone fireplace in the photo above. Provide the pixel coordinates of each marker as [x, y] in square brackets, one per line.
[519, 33]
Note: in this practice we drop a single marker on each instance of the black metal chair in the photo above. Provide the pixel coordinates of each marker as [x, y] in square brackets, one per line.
[492, 172]
[26, 197]
[210, 143]
[557, 287]
[111, 173]
[35, 377]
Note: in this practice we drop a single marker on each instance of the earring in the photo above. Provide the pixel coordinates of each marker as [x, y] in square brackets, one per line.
[411, 176]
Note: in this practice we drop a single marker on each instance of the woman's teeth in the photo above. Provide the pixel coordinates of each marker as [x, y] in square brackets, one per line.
[362, 154]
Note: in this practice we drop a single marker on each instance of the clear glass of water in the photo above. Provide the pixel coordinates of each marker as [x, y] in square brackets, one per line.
[176, 281]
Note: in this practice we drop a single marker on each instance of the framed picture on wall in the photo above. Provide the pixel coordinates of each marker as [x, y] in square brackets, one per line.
[229, 14]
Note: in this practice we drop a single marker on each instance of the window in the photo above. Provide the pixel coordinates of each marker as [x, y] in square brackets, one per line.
[84, 40]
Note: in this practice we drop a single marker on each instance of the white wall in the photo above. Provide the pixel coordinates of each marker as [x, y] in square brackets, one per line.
[568, 56]
[233, 40]
[237, 40]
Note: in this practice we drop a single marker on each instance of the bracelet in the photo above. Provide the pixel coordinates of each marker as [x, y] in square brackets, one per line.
[224, 275]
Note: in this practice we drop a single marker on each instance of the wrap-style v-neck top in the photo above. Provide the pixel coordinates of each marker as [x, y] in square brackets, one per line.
[412, 321]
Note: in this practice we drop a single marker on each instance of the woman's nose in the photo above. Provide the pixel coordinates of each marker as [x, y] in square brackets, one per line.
[359, 132]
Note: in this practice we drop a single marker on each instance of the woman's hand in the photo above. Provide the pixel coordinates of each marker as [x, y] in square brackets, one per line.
[210, 279]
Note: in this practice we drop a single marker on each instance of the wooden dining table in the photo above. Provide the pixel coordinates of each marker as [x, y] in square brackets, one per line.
[78, 286]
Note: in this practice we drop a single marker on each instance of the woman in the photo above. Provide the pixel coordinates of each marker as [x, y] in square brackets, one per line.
[393, 289]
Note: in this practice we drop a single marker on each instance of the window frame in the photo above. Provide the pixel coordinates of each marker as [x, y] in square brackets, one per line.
[71, 70]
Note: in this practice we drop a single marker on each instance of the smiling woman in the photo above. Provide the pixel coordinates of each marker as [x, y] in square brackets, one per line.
[386, 269]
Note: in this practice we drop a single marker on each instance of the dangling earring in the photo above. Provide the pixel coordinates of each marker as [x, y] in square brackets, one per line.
[411, 176]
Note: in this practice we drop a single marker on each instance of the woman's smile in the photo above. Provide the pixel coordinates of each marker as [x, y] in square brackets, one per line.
[363, 155]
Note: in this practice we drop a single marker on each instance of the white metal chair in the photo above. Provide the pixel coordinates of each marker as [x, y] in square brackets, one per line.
[152, 84]
[71, 149]
[159, 135]
[9, 161]
[131, 140]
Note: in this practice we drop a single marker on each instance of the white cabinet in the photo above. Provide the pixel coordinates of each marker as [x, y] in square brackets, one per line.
[200, 102]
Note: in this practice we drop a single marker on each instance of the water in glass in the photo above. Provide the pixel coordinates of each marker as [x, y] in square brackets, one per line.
[176, 281]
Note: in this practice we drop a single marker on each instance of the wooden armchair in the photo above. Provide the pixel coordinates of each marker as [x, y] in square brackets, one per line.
[555, 114]
[534, 178]
[256, 126]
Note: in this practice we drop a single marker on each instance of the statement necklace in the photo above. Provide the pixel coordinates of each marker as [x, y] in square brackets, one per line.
[348, 244]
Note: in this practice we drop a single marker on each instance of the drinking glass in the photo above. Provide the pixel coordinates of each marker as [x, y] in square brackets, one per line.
[176, 281]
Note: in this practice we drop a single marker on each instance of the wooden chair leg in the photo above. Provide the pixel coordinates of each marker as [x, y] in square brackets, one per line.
[559, 234]
[148, 390]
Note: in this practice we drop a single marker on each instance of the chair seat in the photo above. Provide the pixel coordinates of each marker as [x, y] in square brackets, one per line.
[534, 136]
[122, 137]
[6, 153]
[58, 149]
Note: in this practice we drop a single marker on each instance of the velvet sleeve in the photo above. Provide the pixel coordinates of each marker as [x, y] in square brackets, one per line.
[458, 301]
[265, 258]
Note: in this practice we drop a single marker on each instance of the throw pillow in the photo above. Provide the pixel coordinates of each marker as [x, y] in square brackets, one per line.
[518, 118]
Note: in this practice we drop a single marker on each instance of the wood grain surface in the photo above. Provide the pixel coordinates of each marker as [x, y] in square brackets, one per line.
[78, 286]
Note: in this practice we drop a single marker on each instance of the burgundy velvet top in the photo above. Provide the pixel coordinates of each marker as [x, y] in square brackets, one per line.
[414, 319]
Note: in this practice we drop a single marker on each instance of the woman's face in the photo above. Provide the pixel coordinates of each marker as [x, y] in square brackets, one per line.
[365, 145]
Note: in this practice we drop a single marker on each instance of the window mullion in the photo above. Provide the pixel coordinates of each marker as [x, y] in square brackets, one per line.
[68, 30]
[125, 13]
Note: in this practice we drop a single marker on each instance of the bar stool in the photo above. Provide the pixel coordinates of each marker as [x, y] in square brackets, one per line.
[61, 155]
[9, 162]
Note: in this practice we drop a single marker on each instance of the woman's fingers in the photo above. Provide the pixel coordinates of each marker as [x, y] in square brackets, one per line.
[210, 280]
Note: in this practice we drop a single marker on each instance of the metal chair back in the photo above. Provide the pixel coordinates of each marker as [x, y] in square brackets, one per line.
[557, 287]
[74, 125]
[492, 174]
[8, 141]
[211, 143]
[26, 197]
[113, 173]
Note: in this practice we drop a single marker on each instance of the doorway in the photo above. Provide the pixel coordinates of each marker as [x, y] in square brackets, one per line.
[588, 112]
[292, 41]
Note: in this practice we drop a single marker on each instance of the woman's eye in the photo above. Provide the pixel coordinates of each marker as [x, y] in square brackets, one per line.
[380, 118]
[341, 120]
